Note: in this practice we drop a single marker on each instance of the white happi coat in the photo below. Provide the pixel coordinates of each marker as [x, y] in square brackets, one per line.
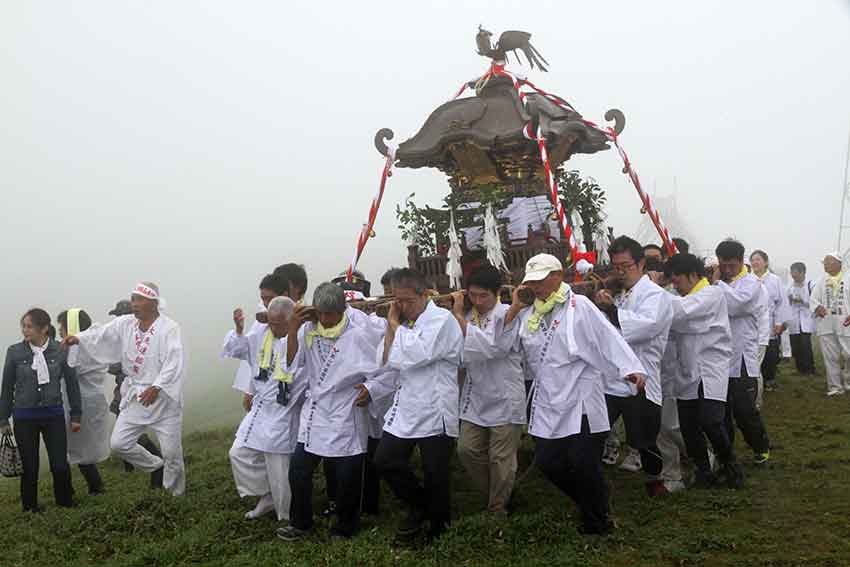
[703, 343]
[743, 306]
[163, 364]
[382, 388]
[645, 314]
[801, 320]
[837, 306]
[331, 424]
[494, 389]
[90, 444]
[778, 306]
[269, 426]
[427, 357]
[568, 355]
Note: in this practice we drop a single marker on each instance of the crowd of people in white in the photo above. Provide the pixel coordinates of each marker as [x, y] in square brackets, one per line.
[681, 351]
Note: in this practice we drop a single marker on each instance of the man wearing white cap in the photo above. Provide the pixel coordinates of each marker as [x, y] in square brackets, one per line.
[568, 347]
[830, 304]
[150, 349]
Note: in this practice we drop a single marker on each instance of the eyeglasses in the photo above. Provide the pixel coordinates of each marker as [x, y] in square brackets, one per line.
[623, 267]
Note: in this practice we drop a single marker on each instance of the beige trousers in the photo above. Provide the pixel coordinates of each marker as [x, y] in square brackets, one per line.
[489, 455]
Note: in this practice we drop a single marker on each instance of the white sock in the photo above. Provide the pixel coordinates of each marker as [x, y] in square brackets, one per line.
[263, 507]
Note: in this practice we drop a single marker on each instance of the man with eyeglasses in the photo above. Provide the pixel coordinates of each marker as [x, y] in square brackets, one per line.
[643, 312]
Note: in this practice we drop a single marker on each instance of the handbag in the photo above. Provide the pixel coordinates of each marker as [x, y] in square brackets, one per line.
[10, 457]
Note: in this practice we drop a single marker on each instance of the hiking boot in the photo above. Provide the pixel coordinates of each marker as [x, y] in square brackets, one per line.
[611, 454]
[761, 458]
[330, 510]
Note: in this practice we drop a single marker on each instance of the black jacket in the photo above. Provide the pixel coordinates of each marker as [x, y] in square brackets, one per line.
[20, 388]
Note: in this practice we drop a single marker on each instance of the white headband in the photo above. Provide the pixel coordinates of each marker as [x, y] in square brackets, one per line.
[145, 291]
[148, 292]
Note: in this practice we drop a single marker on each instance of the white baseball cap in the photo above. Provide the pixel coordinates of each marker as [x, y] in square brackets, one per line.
[540, 266]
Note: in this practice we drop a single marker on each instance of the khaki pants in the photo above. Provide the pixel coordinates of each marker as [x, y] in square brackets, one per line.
[489, 456]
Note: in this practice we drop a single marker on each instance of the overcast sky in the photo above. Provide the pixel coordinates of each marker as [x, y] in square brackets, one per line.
[199, 144]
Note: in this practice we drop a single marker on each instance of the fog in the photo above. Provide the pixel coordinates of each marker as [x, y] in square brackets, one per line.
[199, 144]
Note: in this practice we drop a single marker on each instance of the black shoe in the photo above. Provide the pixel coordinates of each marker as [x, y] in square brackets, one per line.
[596, 529]
[411, 524]
[156, 478]
[704, 479]
[330, 510]
[734, 476]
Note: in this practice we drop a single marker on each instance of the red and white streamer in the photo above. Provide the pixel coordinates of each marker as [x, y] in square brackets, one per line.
[366, 231]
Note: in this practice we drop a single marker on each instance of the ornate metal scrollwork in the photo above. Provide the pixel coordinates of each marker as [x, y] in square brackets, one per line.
[380, 137]
[619, 119]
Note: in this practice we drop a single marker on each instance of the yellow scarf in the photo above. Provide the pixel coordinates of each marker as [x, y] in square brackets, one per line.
[73, 326]
[834, 281]
[700, 284]
[744, 271]
[541, 308]
[332, 333]
[266, 351]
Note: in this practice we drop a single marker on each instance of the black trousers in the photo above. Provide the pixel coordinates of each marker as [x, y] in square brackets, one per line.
[93, 479]
[741, 410]
[701, 418]
[574, 465]
[371, 503]
[431, 498]
[801, 349]
[349, 477]
[642, 419]
[52, 430]
[770, 362]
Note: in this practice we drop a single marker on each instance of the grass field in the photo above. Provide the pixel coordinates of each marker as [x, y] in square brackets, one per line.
[796, 511]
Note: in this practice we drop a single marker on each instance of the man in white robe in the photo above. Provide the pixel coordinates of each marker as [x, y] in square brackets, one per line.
[802, 324]
[830, 306]
[266, 438]
[779, 312]
[150, 348]
[426, 350]
[568, 346]
[271, 286]
[334, 358]
[643, 313]
[492, 403]
[742, 290]
[704, 346]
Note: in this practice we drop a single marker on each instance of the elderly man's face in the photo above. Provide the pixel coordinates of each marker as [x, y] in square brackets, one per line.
[143, 308]
[279, 324]
[831, 265]
[329, 319]
[542, 289]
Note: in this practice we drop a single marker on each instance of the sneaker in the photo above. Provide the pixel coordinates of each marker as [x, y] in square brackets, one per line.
[761, 458]
[632, 461]
[612, 452]
[656, 488]
[411, 524]
[291, 533]
[832, 393]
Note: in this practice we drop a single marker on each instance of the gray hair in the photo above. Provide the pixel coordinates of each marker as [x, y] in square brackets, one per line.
[281, 305]
[329, 297]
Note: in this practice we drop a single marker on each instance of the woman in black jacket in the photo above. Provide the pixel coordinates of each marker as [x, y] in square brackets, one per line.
[32, 395]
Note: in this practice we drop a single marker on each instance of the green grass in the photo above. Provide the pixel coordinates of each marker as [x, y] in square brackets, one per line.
[796, 511]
